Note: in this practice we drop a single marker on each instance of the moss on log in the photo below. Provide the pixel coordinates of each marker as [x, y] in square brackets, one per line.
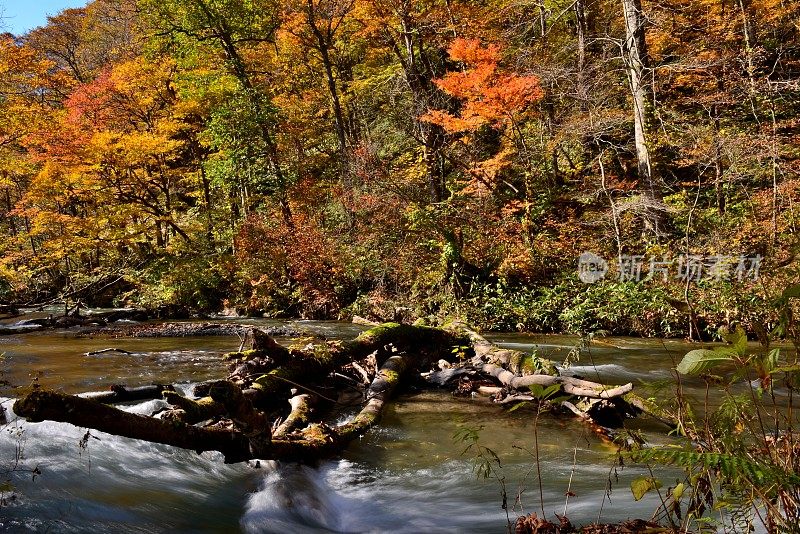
[379, 392]
[518, 362]
[298, 417]
[326, 357]
[193, 411]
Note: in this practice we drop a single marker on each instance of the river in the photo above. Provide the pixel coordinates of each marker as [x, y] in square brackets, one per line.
[408, 475]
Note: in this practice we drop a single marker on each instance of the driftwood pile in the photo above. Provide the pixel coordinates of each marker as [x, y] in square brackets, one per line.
[275, 400]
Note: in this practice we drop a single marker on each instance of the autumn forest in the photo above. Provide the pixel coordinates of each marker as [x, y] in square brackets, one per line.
[400, 159]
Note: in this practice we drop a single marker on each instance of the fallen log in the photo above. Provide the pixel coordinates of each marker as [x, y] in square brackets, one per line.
[298, 417]
[88, 413]
[316, 441]
[379, 392]
[517, 370]
[304, 366]
[570, 385]
[518, 362]
[118, 393]
[604, 407]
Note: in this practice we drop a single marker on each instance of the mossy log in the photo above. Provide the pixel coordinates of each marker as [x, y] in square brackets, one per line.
[192, 411]
[298, 417]
[516, 361]
[309, 366]
[518, 370]
[379, 392]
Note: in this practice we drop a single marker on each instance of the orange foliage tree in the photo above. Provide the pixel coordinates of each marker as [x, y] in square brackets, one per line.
[490, 98]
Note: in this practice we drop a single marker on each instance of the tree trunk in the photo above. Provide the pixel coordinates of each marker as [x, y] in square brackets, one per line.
[636, 62]
[718, 170]
[52, 406]
[433, 142]
[749, 43]
[338, 116]
[581, 37]
[419, 74]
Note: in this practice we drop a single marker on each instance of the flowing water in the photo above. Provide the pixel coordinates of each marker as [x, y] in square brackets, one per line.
[407, 475]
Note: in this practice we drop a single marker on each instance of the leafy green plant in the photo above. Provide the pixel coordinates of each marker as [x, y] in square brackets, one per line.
[487, 464]
[460, 351]
[742, 456]
[700, 360]
[485, 461]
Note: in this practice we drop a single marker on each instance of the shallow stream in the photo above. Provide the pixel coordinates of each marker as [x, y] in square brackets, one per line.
[408, 475]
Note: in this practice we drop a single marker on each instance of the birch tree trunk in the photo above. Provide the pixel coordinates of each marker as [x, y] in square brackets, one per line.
[636, 62]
